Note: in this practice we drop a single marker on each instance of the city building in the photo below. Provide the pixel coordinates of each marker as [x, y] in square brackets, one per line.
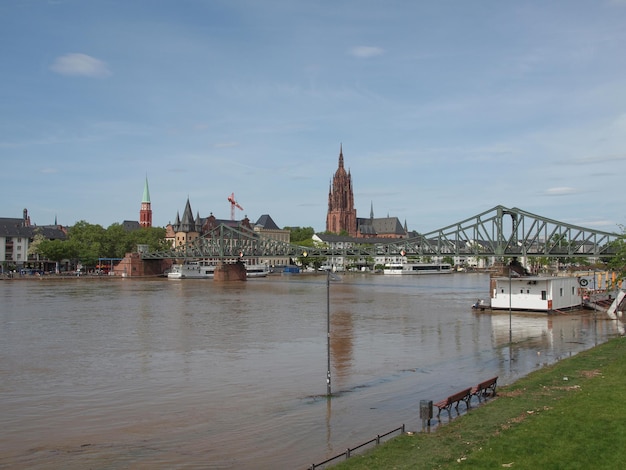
[188, 228]
[16, 240]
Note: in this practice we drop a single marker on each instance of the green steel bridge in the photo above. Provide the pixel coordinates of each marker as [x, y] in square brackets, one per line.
[499, 232]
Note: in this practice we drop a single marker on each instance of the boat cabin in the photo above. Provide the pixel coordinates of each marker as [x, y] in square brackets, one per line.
[535, 293]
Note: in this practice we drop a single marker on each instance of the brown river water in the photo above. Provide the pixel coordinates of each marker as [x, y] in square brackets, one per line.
[164, 374]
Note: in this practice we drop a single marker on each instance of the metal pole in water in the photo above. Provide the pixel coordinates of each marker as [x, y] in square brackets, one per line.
[510, 315]
[328, 392]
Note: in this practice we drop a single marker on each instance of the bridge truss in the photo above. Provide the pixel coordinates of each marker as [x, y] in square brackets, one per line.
[499, 232]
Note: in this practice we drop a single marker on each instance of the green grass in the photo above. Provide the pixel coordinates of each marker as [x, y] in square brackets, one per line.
[571, 415]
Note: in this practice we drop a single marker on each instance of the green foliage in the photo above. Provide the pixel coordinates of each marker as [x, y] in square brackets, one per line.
[86, 243]
[618, 262]
[300, 234]
[38, 238]
[55, 250]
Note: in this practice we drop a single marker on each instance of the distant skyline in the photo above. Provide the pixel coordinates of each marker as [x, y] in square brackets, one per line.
[445, 109]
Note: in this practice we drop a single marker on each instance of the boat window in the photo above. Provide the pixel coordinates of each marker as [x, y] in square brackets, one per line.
[544, 295]
[561, 292]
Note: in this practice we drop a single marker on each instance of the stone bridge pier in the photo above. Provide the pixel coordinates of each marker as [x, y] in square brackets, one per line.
[230, 272]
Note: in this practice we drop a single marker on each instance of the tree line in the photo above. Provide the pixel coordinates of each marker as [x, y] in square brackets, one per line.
[86, 243]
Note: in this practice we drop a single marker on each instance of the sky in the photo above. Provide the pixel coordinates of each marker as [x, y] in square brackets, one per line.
[444, 109]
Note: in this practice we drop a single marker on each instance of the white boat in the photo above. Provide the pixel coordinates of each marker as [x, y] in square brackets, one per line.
[192, 270]
[536, 293]
[417, 268]
[257, 270]
[198, 270]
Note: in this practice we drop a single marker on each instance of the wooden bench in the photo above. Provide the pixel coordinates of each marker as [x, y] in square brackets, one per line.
[454, 400]
[486, 388]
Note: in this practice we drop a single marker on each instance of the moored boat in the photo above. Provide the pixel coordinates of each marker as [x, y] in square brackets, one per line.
[257, 270]
[417, 268]
[191, 270]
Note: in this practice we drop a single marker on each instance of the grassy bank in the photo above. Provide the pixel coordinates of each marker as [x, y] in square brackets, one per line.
[571, 415]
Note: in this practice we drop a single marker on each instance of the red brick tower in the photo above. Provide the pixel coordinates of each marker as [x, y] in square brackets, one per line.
[145, 214]
[341, 212]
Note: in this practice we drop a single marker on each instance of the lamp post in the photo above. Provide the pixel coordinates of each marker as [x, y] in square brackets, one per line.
[510, 313]
[328, 390]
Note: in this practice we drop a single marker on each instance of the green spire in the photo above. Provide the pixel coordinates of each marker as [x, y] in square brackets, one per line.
[146, 192]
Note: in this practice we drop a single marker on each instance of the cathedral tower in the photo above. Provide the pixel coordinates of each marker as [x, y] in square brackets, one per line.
[145, 214]
[341, 212]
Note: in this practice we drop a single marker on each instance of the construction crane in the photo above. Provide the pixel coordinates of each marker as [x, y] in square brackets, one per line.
[233, 204]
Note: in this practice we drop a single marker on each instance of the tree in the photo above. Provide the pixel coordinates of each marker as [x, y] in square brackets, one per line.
[618, 262]
[300, 234]
[56, 250]
[33, 246]
[87, 241]
[154, 237]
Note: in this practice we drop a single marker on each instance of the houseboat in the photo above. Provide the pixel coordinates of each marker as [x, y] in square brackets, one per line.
[417, 268]
[536, 293]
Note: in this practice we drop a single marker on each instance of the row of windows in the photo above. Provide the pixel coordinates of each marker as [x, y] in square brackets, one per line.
[544, 294]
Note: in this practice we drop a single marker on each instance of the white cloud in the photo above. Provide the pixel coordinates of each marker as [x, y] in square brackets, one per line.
[560, 191]
[365, 52]
[77, 64]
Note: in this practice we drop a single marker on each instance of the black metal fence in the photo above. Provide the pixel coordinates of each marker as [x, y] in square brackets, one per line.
[349, 451]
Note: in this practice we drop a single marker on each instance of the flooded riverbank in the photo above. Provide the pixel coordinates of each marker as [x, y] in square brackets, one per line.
[194, 374]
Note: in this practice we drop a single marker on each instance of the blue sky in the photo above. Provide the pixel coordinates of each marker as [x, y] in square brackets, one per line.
[444, 109]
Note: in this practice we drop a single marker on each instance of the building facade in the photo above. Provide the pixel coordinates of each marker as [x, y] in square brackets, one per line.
[16, 238]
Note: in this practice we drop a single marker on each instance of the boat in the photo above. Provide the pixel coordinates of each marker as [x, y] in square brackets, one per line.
[191, 270]
[550, 294]
[417, 268]
[199, 270]
[257, 270]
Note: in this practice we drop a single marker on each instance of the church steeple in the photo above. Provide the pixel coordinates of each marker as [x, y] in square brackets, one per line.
[146, 192]
[145, 214]
[341, 215]
[341, 155]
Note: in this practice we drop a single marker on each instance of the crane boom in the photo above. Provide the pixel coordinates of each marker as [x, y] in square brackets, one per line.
[233, 204]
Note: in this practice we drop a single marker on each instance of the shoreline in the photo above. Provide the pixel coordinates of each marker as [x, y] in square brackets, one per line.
[568, 396]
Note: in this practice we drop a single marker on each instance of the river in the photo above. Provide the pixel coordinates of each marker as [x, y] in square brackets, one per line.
[164, 374]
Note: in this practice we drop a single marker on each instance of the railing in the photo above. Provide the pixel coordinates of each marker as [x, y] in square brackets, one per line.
[349, 451]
